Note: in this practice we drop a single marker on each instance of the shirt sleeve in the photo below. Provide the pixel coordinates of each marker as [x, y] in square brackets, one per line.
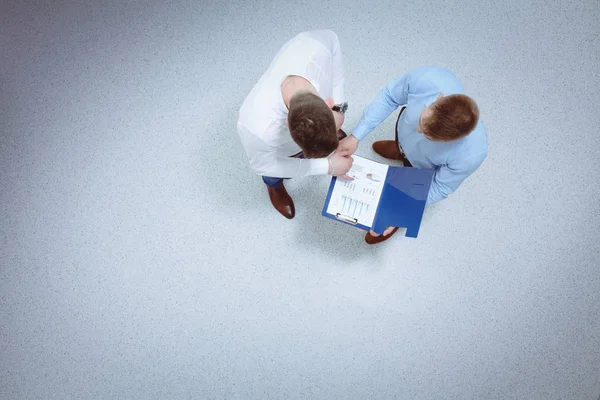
[389, 99]
[277, 166]
[265, 161]
[330, 40]
[338, 72]
[449, 177]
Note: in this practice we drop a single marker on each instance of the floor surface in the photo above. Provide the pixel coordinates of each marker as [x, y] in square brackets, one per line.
[140, 256]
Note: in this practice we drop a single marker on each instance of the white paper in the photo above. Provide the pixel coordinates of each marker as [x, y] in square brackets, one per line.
[358, 199]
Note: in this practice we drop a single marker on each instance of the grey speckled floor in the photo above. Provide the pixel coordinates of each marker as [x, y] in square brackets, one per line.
[140, 257]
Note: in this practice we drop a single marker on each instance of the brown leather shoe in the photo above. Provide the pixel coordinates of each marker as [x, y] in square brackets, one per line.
[282, 201]
[370, 239]
[388, 149]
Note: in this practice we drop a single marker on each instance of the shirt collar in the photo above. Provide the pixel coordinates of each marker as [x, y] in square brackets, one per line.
[430, 100]
[282, 105]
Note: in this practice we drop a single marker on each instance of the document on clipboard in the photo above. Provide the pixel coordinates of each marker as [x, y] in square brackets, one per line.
[379, 196]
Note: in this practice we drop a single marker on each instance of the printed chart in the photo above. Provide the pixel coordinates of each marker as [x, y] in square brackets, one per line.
[357, 200]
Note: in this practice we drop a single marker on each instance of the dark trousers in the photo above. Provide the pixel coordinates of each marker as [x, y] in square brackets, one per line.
[275, 183]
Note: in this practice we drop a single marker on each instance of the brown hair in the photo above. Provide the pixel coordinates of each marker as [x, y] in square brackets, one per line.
[312, 125]
[453, 117]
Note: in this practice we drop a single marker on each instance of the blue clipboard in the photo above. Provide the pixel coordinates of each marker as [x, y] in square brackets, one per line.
[402, 202]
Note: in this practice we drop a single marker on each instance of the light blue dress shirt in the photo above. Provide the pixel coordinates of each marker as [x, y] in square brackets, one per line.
[453, 161]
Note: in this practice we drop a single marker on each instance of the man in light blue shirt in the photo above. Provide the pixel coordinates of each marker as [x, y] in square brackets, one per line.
[438, 128]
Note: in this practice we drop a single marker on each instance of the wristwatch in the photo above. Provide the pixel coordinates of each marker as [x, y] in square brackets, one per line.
[341, 108]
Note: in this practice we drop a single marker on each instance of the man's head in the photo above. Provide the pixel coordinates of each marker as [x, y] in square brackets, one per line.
[449, 118]
[312, 125]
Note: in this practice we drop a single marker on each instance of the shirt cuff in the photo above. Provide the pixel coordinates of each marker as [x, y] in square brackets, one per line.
[361, 131]
[319, 166]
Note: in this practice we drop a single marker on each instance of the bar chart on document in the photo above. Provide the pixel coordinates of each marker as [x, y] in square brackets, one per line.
[358, 199]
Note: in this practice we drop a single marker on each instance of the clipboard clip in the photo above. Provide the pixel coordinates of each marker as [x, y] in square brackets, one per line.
[347, 219]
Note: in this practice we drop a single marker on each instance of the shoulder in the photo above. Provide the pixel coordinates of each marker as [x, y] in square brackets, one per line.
[261, 121]
[479, 138]
[326, 37]
[318, 38]
[430, 71]
[434, 77]
[472, 149]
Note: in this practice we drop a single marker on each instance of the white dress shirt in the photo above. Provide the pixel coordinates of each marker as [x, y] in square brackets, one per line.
[316, 57]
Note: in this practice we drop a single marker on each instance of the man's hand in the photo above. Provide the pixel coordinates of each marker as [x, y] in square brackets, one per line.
[385, 233]
[341, 165]
[347, 146]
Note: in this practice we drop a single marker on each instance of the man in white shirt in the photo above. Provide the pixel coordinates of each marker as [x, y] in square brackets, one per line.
[290, 122]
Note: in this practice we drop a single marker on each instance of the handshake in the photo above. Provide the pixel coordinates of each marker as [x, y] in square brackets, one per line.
[340, 161]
